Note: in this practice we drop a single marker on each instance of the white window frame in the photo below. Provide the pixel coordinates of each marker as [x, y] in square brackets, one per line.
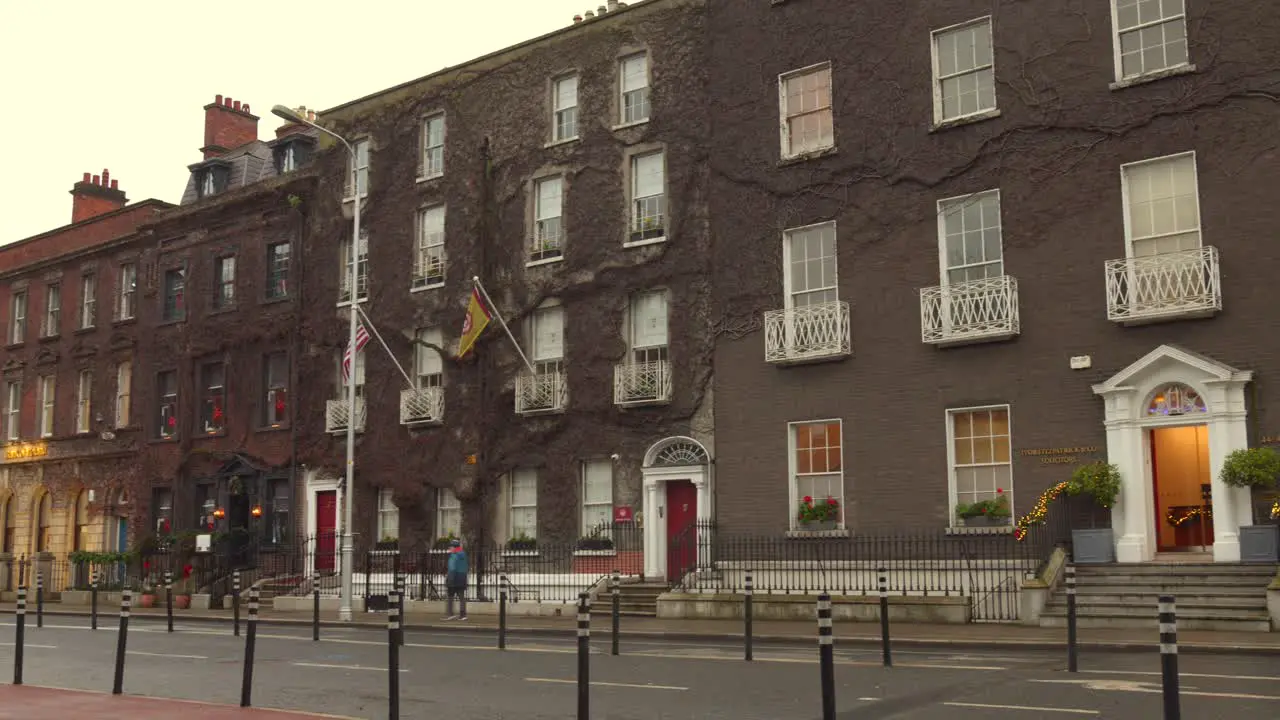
[84, 401]
[788, 289]
[270, 389]
[88, 301]
[635, 233]
[785, 120]
[428, 365]
[934, 38]
[562, 116]
[52, 310]
[623, 91]
[547, 241]
[388, 515]
[13, 410]
[944, 267]
[48, 404]
[224, 292]
[124, 392]
[1125, 169]
[169, 401]
[514, 478]
[949, 419]
[1118, 59]
[360, 147]
[357, 374]
[591, 509]
[362, 272]
[546, 359]
[428, 246]
[448, 507]
[647, 352]
[18, 317]
[127, 293]
[793, 474]
[432, 154]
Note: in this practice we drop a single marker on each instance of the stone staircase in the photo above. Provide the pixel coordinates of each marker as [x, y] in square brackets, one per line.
[1210, 596]
[634, 599]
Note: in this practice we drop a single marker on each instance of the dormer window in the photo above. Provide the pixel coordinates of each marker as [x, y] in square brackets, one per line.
[207, 184]
[287, 158]
[212, 179]
[291, 152]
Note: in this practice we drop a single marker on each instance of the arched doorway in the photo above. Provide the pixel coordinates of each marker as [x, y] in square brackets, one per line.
[1189, 409]
[677, 506]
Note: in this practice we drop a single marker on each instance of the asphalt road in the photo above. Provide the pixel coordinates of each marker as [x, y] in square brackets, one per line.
[465, 677]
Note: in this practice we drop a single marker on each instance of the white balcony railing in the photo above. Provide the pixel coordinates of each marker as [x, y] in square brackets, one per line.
[421, 405]
[972, 311]
[1167, 286]
[641, 383]
[428, 267]
[542, 392]
[807, 334]
[336, 415]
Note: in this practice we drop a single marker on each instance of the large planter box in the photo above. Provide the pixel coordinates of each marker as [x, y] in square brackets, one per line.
[1259, 543]
[819, 525]
[1093, 546]
[984, 521]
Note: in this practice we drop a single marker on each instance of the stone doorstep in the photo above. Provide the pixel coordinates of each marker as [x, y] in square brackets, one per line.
[937, 609]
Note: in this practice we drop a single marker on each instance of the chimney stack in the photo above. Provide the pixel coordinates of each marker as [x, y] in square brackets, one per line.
[292, 128]
[96, 195]
[228, 124]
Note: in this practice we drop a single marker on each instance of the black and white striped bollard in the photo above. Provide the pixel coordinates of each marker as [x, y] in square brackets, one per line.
[1169, 656]
[168, 597]
[1073, 664]
[126, 602]
[315, 607]
[93, 599]
[584, 657]
[826, 657]
[20, 634]
[395, 637]
[235, 601]
[39, 598]
[400, 585]
[746, 615]
[246, 682]
[886, 653]
[502, 611]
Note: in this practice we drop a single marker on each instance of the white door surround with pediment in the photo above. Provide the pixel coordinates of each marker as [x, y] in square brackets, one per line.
[1135, 402]
[673, 458]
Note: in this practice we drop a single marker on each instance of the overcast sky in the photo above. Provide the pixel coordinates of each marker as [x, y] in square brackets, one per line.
[90, 84]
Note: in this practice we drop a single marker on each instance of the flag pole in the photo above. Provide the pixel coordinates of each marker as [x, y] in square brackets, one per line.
[383, 343]
[475, 279]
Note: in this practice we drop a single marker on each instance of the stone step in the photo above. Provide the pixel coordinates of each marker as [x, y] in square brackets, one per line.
[1251, 599]
[1225, 581]
[1259, 569]
[1188, 611]
[1260, 624]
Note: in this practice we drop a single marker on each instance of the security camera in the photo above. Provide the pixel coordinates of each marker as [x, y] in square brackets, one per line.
[615, 457]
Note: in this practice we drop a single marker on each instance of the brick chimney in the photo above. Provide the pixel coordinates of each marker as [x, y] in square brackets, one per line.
[292, 128]
[227, 125]
[96, 195]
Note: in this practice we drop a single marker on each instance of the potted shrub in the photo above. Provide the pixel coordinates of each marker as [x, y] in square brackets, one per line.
[387, 543]
[1256, 467]
[822, 515]
[595, 543]
[147, 597]
[522, 543]
[442, 543]
[986, 513]
[1099, 482]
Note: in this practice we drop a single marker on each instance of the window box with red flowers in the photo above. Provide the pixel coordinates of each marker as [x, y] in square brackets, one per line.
[818, 515]
[986, 513]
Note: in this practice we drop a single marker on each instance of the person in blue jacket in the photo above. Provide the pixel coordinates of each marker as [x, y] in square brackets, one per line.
[455, 581]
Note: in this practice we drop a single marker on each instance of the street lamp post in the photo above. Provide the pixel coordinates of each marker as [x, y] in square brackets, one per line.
[348, 551]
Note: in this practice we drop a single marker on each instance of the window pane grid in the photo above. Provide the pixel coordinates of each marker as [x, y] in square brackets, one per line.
[429, 261]
[1151, 34]
[812, 271]
[965, 70]
[982, 457]
[448, 514]
[817, 465]
[972, 243]
[1164, 206]
[807, 100]
[524, 504]
[433, 147]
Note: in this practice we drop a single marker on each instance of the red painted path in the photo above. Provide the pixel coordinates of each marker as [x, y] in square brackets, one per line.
[28, 702]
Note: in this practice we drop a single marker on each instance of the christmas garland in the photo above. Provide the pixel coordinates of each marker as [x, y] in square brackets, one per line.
[1041, 508]
[1177, 519]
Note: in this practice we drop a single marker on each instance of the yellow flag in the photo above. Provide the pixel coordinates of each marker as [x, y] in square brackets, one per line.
[477, 319]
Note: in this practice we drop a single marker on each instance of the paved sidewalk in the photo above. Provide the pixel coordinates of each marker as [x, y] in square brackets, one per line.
[975, 635]
[29, 701]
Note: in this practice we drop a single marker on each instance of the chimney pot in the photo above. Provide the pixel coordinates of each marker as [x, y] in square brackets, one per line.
[588, 15]
[217, 99]
[602, 10]
[577, 19]
[96, 180]
[245, 107]
[235, 105]
[226, 102]
[115, 184]
[613, 5]
[86, 178]
[106, 176]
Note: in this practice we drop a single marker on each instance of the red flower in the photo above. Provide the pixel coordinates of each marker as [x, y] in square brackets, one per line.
[808, 499]
[831, 501]
[999, 490]
[146, 564]
[186, 571]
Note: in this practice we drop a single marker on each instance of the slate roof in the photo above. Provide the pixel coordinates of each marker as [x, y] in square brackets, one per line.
[250, 163]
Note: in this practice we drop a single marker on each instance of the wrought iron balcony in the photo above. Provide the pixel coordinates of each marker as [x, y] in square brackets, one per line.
[337, 414]
[428, 268]
[812, 333]
[1168, 286]
[421, 406]
[545, 391]
[642, 383]
[969, 312]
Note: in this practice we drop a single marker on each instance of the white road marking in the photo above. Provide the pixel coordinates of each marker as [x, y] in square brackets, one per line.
[609, 684]
[869, 699]
[166, 655]
[31, 645]
[1142, 687]
[1073, 711]
[1183, 674]
[343, 667]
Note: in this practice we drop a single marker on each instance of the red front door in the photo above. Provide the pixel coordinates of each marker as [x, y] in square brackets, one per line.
[326, 529]
[682, 531]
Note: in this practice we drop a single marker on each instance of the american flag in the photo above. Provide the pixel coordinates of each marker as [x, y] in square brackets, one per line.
[362, 339]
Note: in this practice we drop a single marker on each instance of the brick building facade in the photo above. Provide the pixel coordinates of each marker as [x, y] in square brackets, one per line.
[982, 249]
[566, 174]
